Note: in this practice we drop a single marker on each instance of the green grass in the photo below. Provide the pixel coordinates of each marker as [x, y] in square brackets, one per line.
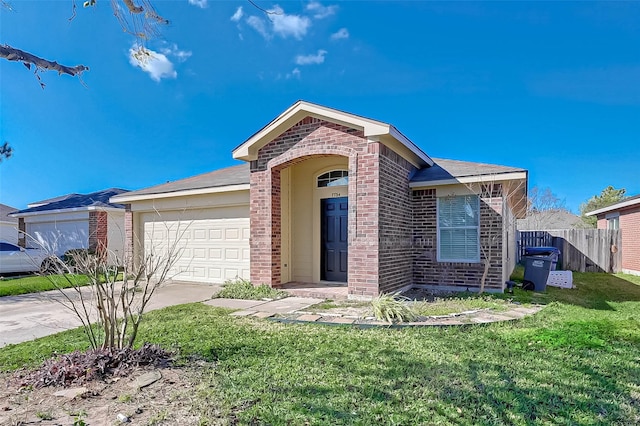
[575, 362]
[37, 283]
[243, 289]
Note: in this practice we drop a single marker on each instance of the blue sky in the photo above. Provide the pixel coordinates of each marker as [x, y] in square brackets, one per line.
[553, 87]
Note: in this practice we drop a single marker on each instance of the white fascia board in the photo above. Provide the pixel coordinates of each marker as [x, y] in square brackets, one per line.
[71, 210]
[470, 179]
[616, 206]
[413, 147]
[126, 199]
[248, 151]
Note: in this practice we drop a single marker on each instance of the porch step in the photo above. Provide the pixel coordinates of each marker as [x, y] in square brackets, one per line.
[317, 291]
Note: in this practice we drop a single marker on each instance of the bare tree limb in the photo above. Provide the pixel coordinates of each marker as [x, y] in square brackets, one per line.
[12, 54]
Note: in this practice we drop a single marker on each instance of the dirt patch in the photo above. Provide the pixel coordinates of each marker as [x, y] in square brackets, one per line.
[169, 400]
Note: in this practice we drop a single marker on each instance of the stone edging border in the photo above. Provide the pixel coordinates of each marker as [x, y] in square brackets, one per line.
[457, 319]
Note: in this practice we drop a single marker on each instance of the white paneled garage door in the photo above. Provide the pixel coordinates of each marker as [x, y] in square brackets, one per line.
[58, 237]
[212, 249]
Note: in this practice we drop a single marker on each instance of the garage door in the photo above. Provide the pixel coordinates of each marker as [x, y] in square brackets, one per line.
[58, 237]
[210, 250]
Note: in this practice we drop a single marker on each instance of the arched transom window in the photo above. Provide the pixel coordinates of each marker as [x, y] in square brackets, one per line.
[333, 178]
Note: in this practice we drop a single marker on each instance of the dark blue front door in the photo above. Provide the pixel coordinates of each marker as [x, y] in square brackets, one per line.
[334, 239]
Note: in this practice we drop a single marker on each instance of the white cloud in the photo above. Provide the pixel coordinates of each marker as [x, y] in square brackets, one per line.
[238, 15]
[320, 11]
[318, 58]
[295, 73]
[200, 3]
[289, 25]
[156, 64]
[342, 33]
[172, 50]
[259, 25]
[280, 23]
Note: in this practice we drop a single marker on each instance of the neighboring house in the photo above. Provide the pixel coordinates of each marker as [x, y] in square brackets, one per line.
[624, 215]
[8, 224]
[74, 221]
[333, 198]
[550, 219]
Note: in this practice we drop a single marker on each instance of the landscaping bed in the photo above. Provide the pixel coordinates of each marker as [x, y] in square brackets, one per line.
[575, 362]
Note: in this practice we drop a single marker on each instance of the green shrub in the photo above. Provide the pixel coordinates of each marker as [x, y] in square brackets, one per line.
[243, 289]
[392, 308]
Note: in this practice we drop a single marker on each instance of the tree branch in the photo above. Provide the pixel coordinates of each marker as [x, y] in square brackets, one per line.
[11, 54]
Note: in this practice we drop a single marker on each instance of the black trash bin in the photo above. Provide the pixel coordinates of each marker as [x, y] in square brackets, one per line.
[552, 252]
[536, 271]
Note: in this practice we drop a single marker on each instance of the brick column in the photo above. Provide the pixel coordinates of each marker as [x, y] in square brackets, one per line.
[22, 235]
[129, 237]
[265, 239]
[98, 232]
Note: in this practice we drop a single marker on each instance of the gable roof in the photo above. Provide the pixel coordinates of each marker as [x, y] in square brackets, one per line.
[445, 172]
[4, 213]
[377, 130]
[627, 202]
[227, 179]
[98, 200]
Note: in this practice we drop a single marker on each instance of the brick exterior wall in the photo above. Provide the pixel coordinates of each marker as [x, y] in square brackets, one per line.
[129, 236]
[392, 229]
[426, 268]
[307, 138]
[630, 226]
[98, 232]
[395, 221]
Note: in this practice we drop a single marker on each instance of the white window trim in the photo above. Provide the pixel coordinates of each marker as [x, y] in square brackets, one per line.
[332, 169]
[609, 218]
[474, 260]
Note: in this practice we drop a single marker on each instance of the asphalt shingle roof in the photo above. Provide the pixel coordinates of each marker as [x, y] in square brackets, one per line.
[234, 175]
[451, 169]
[95, 199]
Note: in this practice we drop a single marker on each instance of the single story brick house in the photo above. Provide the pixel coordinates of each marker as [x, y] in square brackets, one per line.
[624, 215]
[74, 221]
[329, 197]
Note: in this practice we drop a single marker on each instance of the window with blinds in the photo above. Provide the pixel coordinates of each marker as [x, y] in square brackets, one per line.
[458, 229]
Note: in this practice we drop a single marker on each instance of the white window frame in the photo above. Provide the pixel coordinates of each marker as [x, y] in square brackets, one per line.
[611, 219]
[475, 259]
[343, 172]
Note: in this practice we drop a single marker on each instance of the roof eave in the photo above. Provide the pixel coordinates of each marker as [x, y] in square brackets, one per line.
[131, 198]
[617, 206]
[495, 177]
[69, 210]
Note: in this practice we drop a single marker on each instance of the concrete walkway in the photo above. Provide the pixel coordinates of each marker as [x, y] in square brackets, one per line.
[293, 309]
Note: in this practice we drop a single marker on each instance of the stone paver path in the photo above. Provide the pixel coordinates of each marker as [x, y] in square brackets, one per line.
[292, 310]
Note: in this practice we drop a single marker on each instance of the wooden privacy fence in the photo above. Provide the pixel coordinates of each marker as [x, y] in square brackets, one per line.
[582, 250]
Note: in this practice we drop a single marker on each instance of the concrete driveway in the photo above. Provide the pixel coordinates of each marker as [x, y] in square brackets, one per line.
[27, 317]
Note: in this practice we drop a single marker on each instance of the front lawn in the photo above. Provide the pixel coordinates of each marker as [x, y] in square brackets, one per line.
[575, 362]
[37, 283]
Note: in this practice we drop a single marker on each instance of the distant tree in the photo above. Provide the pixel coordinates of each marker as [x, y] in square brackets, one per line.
[608, 196]
[5, 151]
[545, 210]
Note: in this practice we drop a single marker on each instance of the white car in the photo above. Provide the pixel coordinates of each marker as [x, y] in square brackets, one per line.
[14, 258]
